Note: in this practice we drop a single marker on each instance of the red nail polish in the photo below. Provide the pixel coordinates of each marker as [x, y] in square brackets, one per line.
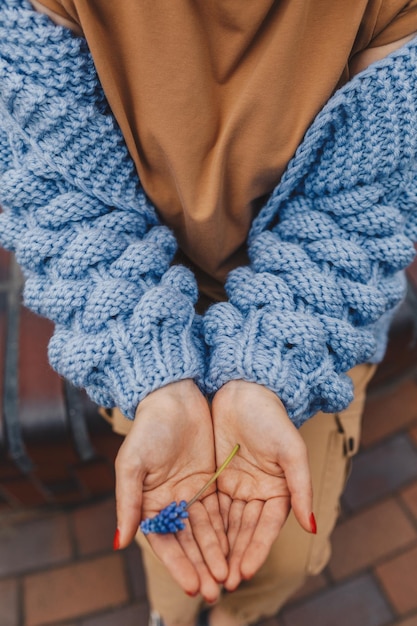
[191, 594]
[116, 540]
[313, 524]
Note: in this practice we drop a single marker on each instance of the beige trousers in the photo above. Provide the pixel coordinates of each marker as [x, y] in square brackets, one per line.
[331, 441]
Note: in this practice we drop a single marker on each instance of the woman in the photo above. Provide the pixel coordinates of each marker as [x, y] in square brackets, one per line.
[213, 102]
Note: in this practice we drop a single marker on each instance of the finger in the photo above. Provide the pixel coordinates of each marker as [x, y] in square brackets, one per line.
[129, 483]
[211, 504]
[207, 541]
[168, 549]
[271, 520]
[249, 521]
[234, 521]
[298, 477]
[225, 503]
[209, 587]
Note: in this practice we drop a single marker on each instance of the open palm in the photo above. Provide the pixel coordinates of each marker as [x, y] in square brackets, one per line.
[169, 455]
[268, 476]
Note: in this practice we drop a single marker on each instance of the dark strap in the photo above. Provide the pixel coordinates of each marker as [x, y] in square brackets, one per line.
[77, 422]
[12, 427]
[412, 301]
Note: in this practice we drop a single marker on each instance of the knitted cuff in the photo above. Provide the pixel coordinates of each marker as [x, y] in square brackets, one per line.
[282, 350]
[131, 356]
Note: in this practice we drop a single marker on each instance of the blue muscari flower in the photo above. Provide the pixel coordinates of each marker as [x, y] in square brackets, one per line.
[169, 520]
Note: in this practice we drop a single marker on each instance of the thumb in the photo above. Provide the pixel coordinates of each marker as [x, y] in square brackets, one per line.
[298, 476]
[129, 484]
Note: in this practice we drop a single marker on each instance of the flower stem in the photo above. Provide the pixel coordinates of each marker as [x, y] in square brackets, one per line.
[214, 477]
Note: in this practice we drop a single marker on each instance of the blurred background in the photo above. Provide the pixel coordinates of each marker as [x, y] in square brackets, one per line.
[57, 511]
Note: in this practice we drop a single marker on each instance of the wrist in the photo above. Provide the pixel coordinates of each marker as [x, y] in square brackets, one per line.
[172, 396]
[240, 391]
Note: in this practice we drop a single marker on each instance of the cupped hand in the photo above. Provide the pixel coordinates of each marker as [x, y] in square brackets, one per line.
[268, 476]
[169, 455]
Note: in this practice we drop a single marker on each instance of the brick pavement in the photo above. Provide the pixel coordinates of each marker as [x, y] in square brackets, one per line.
[57, 567]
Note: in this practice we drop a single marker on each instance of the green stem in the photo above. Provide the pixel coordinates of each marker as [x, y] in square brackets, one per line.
[215, 476]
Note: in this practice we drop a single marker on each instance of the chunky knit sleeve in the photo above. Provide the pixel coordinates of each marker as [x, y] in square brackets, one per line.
[327, 251]
[96, 258]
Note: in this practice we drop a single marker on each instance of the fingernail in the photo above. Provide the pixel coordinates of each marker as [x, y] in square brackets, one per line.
[116, 540]
[192, 594]
[313, 524]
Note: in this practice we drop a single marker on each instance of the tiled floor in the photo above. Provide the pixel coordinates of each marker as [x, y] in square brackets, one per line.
[59, 568]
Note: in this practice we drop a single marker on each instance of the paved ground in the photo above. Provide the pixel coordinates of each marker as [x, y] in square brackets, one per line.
[58, 568]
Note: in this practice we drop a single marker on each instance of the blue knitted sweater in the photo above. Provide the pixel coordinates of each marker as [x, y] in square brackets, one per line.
[326, 252]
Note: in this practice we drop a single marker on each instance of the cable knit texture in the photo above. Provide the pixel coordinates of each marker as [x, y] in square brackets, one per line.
[326, 252]
[94, 253]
